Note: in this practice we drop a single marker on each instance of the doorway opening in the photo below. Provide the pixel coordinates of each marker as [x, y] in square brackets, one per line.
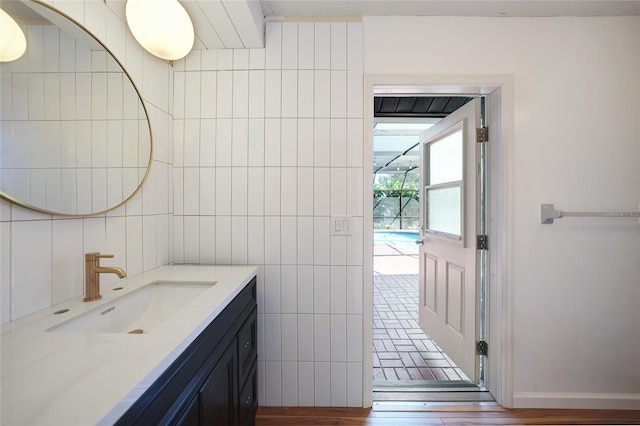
[408, 365]
[498, 90]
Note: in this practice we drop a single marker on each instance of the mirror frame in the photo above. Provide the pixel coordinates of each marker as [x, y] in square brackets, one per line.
[144, 107]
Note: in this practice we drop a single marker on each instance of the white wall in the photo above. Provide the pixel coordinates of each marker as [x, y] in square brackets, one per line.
[273, 139]
[576, 284]
[43, 256]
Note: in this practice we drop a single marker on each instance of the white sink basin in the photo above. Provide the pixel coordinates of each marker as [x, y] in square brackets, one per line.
[137, 312]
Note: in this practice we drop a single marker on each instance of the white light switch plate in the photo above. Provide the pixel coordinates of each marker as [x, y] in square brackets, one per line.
[341, 225]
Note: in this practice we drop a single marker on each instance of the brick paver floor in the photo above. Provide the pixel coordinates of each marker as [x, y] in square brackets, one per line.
[401, 350]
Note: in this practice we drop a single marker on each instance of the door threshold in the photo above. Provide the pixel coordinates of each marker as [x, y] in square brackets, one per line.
[414, 406]
[429, 394]
[422, 385]
[422, 396]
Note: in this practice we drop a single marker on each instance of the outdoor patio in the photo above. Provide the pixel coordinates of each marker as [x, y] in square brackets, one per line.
[402, 352]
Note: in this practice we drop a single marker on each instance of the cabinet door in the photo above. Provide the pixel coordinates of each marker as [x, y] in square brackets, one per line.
[247, 346]
[219, 392]
[191, 416]
[248, 404]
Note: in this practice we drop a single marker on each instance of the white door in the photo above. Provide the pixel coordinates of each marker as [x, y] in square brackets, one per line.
[448, 306]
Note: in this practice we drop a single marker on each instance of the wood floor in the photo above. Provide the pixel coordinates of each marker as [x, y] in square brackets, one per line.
[298, 416]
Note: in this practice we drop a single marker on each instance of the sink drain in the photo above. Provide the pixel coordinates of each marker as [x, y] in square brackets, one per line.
[136, 331]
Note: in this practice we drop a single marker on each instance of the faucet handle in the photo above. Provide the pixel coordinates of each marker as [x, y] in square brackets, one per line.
[93, 256]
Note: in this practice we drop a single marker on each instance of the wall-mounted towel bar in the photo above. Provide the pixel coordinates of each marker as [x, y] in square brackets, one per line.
[548, 213]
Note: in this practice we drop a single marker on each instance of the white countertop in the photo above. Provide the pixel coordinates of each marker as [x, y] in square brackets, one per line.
[73, 378]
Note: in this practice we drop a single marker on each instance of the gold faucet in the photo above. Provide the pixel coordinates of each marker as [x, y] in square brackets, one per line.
[93, 270]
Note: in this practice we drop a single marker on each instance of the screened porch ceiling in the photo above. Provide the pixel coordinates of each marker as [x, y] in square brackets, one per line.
[398, 123]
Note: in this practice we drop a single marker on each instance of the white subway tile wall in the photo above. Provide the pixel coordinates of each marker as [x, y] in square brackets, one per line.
[282, 131]
[43, 255]
[254, 150]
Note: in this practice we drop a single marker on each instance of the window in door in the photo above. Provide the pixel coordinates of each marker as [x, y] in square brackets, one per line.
[444, 182]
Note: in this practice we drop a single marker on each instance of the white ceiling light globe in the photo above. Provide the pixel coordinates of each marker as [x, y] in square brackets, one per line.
[162, 27]
[13, 43]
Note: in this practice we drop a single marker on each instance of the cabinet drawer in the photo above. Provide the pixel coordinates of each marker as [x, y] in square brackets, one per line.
[247, 346]
[248, 404]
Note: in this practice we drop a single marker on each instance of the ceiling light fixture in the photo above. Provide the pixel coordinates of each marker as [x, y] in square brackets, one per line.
[162, 27]
[13, 43]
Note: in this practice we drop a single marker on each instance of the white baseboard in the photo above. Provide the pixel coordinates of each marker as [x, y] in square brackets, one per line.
[606, 401]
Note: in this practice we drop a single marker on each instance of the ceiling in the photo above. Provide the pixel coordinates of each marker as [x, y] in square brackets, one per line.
[417, 106]
[238, 24]
[279, 8]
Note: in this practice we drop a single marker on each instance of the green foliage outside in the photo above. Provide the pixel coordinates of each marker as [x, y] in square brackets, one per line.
[396, 201]
[396, 185]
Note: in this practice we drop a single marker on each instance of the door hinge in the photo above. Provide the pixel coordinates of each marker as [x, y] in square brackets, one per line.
[482, 134]
[482, 242]
[482, 348]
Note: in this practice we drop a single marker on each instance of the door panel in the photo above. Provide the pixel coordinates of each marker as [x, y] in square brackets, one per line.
[448, 191]
[455, 297]
[430, 291]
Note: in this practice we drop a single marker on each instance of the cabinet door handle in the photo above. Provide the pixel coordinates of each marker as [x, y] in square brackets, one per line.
[246, 345]
[248, 400]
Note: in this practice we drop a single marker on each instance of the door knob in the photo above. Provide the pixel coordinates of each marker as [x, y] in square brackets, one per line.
[419, 242]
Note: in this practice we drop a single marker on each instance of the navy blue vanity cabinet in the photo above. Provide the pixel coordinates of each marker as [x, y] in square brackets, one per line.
[247, 370]
[214, 381]
[219, 393]
[191, 415]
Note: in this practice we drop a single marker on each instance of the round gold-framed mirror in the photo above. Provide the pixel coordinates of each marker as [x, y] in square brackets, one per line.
[75, 136]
